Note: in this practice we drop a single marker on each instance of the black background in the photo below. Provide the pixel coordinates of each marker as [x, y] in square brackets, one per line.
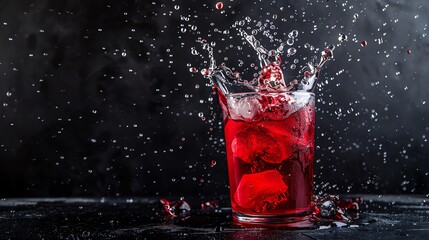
[97, 99]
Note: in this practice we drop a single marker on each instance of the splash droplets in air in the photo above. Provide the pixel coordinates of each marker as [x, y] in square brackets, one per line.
[271, 77]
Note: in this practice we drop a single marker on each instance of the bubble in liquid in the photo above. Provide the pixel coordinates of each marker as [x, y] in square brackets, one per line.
[293, 34]
[355, 16]
[363, 43]
[290, 42]
[219, 5]
[291, 51]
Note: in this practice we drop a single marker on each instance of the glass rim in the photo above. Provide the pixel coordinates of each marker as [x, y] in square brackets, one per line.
[268, 93]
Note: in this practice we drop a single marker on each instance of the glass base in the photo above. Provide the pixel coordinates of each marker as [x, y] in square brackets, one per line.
[296, 221]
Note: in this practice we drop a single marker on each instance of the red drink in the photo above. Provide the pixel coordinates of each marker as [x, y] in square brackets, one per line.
[270, 149]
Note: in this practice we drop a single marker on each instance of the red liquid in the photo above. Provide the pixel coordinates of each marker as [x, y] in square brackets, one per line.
[270, 162]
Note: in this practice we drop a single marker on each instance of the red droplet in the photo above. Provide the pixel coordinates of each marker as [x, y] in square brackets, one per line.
[213, 163]
[408, 51]
[193, 70]
[363, 43]
[205, 71]
[219, 5]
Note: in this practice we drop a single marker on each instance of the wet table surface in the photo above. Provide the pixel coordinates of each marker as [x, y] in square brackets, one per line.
[390, 217]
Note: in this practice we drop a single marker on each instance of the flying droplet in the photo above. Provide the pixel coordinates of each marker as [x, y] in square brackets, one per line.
[363, 43]
[291, 51]
[293, 34]
[204, 71]
[194, 52]
[219, 5]
[342, 37]
[408, 51]
[177, 7]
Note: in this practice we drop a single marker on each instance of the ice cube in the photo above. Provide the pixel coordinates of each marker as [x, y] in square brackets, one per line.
[177, 208]
[242, 146]
[261, 191]
[286, 135]
[276, 106]
[327, 209]
[245, 108]
[254, 144]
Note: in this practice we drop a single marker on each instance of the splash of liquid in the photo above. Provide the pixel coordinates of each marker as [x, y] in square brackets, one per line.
[271, 77]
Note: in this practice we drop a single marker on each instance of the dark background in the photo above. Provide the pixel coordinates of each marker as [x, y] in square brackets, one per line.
[96, 98]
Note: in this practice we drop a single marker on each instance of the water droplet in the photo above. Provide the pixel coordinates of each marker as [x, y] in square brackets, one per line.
[183, 30]
[194, 52]
[8, 94]
[342, 37]
[290, 42]
[193, 70]
[291, 51]
[363, 43]
[204, 71]
[408, 51]
[219, 5]
[124, 54]
[355, 16]
[293, 34]
[177, 7]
